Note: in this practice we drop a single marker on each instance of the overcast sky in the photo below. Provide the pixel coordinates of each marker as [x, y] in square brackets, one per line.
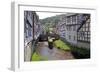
[43, 15]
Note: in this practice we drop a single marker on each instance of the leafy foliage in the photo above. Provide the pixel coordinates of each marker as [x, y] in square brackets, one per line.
[51, 21]
[80, 52]
[37, 57]
[61, 45]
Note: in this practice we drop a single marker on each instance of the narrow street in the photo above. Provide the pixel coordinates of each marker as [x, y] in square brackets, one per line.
[54, 54]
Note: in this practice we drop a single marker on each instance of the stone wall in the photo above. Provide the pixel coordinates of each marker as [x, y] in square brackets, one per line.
[83, 45]
[28, 52]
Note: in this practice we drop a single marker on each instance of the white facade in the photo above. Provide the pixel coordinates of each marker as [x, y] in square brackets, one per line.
[28, 35]
[37, 26]
[68, 25]
[72, 24]
[71, 36]
[32, 30]
[61, 27]
[28, 24]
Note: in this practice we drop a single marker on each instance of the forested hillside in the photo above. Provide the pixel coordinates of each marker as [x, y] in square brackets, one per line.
[51, 21]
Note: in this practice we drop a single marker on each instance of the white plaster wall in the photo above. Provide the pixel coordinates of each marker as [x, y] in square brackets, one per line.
[72, 34]
[28, 52]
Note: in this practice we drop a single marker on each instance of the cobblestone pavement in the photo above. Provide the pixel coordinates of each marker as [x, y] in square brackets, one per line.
[54, 54]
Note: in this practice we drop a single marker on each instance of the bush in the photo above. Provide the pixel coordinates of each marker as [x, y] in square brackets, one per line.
[61, 45]
[37, 57]
[80, 52]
